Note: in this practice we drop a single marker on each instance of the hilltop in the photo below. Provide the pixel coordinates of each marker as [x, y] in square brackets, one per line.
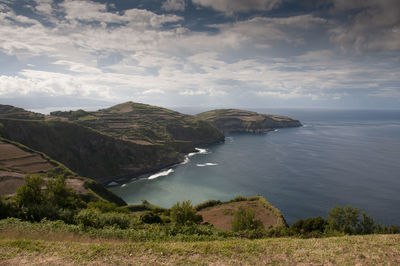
[146, 124]
[234, 120]
[114, 144]
[220, 214]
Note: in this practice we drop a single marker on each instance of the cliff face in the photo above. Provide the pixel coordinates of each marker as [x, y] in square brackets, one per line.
[114, 144]
[90, 153]
[233, 120]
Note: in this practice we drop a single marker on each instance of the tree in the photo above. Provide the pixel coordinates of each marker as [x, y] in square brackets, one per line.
[367, 224]
[61, 196]
[31, 192]
[344, 219]
[244, 219]
[184, 213]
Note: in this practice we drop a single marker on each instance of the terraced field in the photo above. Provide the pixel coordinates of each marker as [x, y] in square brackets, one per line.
[145, 124]
[17, 160]
[15, 163]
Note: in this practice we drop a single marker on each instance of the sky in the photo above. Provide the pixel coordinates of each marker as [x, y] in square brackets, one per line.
[208, 53]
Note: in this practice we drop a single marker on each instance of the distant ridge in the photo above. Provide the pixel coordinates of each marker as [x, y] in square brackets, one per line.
[235, 120]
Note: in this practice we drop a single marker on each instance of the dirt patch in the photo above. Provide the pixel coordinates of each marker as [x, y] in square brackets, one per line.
[19, 163]
[34, 167]
[252, 118]
[221, 216]
[77, 185]
[9, 182]
[9, 151]
[140, 142]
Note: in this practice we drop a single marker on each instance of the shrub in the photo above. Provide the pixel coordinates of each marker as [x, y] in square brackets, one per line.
[184, 213]
[206, 204]
[31, 192]
[94, 218]
[244, 219]
[238, 198]
[151, 218]
[60, 195]
[367, 224]
[104, 207]
[343, 219]
[316, 224]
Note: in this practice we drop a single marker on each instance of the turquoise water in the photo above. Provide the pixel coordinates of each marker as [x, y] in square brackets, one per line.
[338, 157]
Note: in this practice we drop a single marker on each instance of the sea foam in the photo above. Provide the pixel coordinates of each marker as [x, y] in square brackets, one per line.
[162, 173]
[206, 164]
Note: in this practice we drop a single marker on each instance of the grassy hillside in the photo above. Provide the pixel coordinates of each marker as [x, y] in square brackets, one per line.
[74, 250]
[8, 111]
[17, 160]
[114, 144]
[220, 214]
[88, 152]
[146, 124]
[234, 120]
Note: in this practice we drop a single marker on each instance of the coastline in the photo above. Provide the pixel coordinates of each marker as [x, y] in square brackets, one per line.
[156, 173]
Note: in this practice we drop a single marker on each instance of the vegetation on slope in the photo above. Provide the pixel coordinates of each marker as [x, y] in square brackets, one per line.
[34, 247]
[234, 120]
[8, 111]
[88, 152]
[146, 124]
[223, 214]
[17, 160]
[114, 144]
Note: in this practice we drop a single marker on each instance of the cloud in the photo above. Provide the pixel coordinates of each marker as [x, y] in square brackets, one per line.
[174, 5]
[374, 25]
[93, 51]
[230, 7]
[44, 6]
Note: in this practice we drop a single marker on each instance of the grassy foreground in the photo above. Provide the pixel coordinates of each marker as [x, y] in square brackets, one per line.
[72, 250]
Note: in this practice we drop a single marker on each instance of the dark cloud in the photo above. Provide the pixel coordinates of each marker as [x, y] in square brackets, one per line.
[231, 7]
[369, 25]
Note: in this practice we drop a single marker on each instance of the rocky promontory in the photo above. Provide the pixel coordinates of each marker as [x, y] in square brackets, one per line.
[234, 120]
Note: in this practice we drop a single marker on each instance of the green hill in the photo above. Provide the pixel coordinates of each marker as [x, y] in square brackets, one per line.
[146, 124]
[234, 120]
[114, 144]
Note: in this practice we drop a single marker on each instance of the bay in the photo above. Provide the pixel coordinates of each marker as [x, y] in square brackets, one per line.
[339, 157]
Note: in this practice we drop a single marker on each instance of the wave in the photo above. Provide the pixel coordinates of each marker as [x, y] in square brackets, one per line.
[206, 164]
[162, 173]
[186, 160]
[229, 139]
[198, 151]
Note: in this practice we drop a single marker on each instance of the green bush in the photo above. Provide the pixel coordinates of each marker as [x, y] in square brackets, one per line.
[95, 218]
[104, 206]
[206, 204]
[238, 198]
[60, 195]
[244, 219]
[347, 220]
[151, 218]
[31, 192]
[309, 225]
[184, 213]
[343, 219]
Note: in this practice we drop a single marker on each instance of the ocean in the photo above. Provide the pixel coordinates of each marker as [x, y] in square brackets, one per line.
[339, 157]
